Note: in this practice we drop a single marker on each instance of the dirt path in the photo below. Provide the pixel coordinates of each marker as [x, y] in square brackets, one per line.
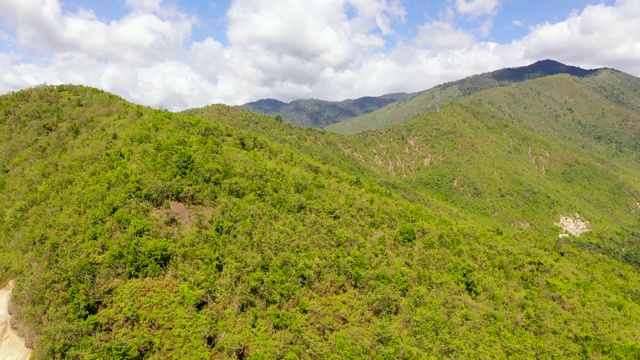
[11, 345]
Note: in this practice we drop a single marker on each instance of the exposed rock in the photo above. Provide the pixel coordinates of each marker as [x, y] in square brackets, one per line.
[572, 224]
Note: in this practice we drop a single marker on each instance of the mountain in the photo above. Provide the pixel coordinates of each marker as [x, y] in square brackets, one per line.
[429, 100]
[526, 156]
[506, 135]
[319, 113]
[270, 107]
[503, 225]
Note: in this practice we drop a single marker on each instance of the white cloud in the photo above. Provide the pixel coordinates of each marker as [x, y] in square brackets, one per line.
[145, 5]
[311, 32]
[382, 13]
[208, 58]
[486, 26]
[287, 49]
[10, 78]
[600, 35]
[42, 27]
[299, 45]
[439, 35]
[477, 8]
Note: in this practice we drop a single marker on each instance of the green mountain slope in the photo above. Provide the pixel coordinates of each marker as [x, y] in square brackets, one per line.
[537, 131]
[220, 233]
[431, 99]
[319, 113]
[519, 156]
[502, 167]
[526, 153]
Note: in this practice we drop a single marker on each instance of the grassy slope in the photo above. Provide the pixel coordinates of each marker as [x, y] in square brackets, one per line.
[135, 233]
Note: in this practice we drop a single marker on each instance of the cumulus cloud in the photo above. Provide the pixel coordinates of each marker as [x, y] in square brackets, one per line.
[600, 35]
[146, 5]
[42, 27]
[309, 36]
[439, 35]
[10, 77]
[287, 49]
[477, 8]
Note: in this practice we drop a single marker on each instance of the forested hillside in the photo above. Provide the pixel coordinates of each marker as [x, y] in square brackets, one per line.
[220, 233]
[520, 156]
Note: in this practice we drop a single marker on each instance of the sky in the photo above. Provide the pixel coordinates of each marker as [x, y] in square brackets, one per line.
[178, 54]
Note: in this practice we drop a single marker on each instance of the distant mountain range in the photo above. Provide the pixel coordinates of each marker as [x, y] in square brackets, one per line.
[319, 113]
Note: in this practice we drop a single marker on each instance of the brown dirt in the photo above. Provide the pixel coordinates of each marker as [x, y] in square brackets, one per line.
[12, 346]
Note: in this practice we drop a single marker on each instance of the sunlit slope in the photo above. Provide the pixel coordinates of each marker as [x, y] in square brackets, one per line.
[481, 163]
[143, 234]
[519, 155]
[572, 112]
[136, 233]
[619, 88]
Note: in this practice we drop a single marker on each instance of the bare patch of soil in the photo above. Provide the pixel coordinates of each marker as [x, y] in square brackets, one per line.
[186, 216]
[572, 224]
[176, 212]
[11, 344]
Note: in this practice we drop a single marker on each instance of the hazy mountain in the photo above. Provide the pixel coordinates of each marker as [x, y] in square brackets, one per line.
[265, 106]
[320, 113]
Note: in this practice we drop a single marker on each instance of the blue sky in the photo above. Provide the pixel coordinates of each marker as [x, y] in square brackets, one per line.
[212, 15]
[186, 53]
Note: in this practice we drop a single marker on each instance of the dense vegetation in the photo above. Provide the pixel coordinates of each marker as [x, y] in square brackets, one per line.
[320, 113]
[429, 100]
[221, 233]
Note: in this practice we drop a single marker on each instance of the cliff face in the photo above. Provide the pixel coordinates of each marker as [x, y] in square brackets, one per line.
[11, 344]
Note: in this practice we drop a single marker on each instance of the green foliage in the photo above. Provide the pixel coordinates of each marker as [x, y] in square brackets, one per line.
[184, 164]
[406, 233]
[219, 233]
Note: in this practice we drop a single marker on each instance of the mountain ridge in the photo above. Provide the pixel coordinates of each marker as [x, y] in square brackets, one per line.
[320, 113]
[431, 99]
